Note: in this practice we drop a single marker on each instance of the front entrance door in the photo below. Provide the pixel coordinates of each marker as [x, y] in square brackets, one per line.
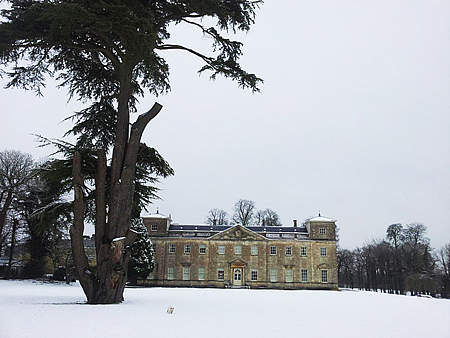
[237, 277]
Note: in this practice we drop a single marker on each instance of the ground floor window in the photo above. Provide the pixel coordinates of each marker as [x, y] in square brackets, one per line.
[289, 276]
[186, 273]
[304, 275]
[273, 275]
[170, 273]
[324, 276]
[254, 275]
[220, 274]
[201, 273]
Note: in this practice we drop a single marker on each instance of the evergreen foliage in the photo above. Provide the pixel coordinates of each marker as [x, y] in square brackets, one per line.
[142, 261]
[106, 52]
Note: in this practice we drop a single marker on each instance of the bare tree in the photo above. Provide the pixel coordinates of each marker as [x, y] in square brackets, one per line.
[267, 217]
[15, 171]
[444, 261]
[243, 212]
[217, 217]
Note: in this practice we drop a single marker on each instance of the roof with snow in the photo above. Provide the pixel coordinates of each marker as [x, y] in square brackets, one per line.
[157, 215]
[321, 219]
[219, 228]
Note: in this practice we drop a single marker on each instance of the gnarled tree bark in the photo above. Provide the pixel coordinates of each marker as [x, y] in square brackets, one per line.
[114, 238]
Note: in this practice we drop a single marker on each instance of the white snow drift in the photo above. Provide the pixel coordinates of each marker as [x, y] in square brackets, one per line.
[34, 309]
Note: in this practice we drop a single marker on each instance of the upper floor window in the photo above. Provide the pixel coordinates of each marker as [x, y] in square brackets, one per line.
[202, 248]
[237, 249]
[154, 227]
[323, 252]
[254, 250]
[303, 251]
[221, 249]
[324, 276]
[322, 231]
[273, 250]
[288, 251]
[187, 249]
[172, 248]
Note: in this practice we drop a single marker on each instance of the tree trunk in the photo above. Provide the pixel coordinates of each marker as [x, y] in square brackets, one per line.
[113, 237]
[5, 207]
[11, 248]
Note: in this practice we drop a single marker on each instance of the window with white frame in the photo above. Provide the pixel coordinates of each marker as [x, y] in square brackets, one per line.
[201, 273]
[273, 275]
[220, 274]
[273, 250]
[324, 274]
[172, 248]
[254, 275]
[288, 251]
[322, 231]
[289, 275]
[187, 249]
[323, 252]
[170, 273]
[202, 249]
[303, 251]
[237, 249]
[254, 250]
[221, 249]
[154, 227]
[304, 275]
[186, 272]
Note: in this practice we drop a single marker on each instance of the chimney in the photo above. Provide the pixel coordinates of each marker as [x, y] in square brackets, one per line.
[295, 223]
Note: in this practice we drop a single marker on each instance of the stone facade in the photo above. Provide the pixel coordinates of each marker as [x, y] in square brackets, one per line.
[236, 256]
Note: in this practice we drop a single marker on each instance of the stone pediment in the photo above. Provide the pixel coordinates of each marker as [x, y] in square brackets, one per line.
[323, 266]
[237, 263]
[238, 233]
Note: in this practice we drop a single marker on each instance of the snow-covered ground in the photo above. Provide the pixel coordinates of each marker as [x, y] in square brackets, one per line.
[35, 309]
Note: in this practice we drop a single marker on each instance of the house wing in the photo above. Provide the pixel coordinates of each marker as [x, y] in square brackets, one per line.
[238, 232]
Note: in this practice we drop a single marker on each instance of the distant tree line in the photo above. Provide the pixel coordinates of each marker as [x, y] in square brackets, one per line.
[402, 262]
[244, 213]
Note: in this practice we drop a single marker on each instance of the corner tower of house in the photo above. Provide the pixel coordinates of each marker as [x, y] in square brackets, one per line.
[157, 224]
[321, 228]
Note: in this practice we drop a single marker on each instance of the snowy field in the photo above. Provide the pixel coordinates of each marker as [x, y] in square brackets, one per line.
[35, 309]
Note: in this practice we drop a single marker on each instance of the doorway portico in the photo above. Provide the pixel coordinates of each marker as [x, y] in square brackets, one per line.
[237, 267]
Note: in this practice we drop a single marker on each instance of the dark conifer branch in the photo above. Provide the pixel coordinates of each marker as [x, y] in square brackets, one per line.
[106, 52]
[178, 47]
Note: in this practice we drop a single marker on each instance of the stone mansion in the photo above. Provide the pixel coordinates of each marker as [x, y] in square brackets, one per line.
[294, 257]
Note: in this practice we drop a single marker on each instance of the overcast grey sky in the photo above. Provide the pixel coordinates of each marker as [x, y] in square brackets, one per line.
[352, 120]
